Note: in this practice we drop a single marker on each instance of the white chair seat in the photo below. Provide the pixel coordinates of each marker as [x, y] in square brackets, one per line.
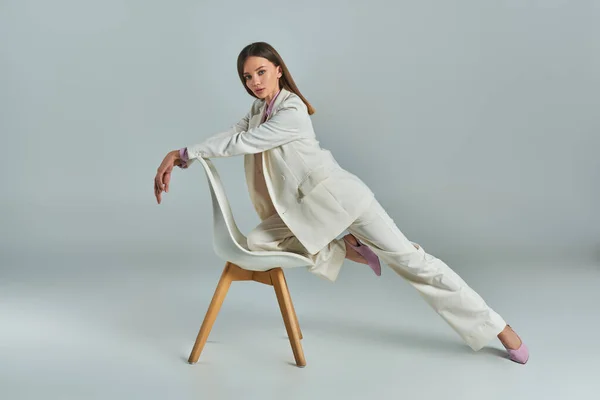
[230, 244]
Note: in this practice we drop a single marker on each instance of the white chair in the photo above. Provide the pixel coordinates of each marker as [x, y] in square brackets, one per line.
[242, 264]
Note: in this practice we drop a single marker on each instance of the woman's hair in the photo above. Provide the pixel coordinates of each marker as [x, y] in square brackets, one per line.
[265, 50]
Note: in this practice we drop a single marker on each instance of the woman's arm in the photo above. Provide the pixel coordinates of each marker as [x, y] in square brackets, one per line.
[240, 126]
[180, 158]
[285, 126]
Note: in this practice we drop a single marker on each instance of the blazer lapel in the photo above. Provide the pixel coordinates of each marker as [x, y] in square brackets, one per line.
[249, 159]
[283, 94]
[255, 120]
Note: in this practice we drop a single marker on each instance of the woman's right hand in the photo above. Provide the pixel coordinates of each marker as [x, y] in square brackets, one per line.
[163, 173]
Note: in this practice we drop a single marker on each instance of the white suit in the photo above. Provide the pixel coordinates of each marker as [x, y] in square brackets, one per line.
[314, 196]
[310, 200]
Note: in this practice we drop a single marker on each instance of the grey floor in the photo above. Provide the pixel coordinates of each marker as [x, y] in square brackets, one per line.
[84, 326]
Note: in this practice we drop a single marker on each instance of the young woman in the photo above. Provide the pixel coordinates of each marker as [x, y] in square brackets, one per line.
[305, 199]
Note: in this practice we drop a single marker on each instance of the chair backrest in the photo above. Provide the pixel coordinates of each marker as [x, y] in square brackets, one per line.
[227, 239]
[230, 244]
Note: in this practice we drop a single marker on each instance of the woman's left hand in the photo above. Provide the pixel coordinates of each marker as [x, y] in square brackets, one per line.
[163, 173]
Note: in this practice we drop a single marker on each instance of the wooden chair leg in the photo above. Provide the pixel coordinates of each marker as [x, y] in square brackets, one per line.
[213, 310]
[292, 318]
[287, 311]
[288, 320]
[293, 310]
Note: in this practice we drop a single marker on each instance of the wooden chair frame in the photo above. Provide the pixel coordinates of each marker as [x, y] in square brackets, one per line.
[274, 277]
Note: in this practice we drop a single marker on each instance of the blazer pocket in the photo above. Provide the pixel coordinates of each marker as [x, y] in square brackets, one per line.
[314, 178]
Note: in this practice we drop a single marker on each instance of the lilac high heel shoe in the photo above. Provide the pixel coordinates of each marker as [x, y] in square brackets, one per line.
[520, 355]
[368, 254]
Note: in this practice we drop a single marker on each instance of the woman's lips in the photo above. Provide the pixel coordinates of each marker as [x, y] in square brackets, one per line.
[259, 90]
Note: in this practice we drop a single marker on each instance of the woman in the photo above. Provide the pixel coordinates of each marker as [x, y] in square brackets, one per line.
[305, 200]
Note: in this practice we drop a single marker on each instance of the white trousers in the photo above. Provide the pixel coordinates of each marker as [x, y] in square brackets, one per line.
[459, 305]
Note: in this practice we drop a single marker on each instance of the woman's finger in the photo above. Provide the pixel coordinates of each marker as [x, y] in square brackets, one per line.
[167, 180]
[159, 181]
[158, 191]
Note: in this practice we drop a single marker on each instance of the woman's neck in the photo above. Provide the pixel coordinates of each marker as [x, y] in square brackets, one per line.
[270, 98]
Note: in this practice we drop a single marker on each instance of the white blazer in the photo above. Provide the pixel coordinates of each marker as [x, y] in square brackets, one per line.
[315, 197]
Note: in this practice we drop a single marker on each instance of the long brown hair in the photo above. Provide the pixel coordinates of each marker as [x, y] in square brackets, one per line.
[265, 50]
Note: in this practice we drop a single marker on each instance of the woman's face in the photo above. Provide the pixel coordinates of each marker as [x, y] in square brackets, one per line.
[262, 77]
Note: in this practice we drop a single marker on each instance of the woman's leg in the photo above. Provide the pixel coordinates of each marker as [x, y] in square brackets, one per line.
[272, 234]
[458, 304]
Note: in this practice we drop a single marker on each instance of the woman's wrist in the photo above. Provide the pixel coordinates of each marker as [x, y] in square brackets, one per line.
[176, 155]
[180, 157]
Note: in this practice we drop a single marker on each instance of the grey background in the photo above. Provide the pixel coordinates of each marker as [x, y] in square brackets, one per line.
[474, 122]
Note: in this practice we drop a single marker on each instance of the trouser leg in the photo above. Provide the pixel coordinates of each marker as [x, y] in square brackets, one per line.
[457, 303]
[272, 234]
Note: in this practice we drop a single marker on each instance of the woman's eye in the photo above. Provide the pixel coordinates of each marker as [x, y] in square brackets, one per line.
[247, 77]
[262, 71]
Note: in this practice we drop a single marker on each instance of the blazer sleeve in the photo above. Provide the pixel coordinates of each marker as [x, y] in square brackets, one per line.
[283, 127]
[240, 126]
